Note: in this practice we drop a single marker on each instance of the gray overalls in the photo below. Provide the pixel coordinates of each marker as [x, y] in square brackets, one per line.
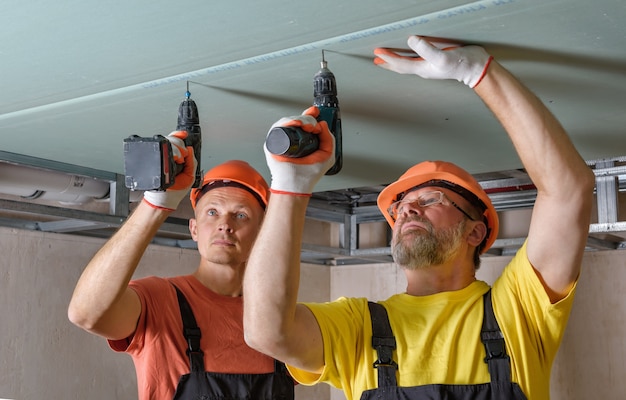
[201, 385]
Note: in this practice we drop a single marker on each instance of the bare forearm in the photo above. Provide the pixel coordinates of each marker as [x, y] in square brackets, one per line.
[95, 304]
[542, 144]
[273, 272]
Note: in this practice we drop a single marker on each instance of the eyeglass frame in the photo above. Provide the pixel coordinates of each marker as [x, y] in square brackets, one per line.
[442, 195]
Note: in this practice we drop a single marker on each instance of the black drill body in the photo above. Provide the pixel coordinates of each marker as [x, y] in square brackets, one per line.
[294, 142]
[189, 120]
[325, 98]
[148, 161]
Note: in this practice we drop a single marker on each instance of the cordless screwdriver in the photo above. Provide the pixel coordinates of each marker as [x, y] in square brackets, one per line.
[189, 120]
[149, 162]
[294, 142]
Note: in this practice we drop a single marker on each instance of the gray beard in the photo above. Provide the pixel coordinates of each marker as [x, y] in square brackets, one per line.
[418, 249]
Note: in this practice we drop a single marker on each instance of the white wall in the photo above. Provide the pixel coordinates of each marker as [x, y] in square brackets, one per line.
[42, 355]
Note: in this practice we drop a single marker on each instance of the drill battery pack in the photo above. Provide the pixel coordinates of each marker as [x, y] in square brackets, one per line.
[148, 163]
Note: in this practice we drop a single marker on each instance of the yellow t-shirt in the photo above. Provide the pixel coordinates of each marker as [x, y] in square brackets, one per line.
[438, 336]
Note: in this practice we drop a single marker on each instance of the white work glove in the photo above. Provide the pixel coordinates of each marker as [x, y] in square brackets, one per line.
[467, 64]
[170, 198]
[298, 176]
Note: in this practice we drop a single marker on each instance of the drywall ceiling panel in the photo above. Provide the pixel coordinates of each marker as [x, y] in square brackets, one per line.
[80, 76]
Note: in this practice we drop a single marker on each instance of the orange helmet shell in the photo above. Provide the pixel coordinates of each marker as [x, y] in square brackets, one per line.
[441, 171]
[234, 171]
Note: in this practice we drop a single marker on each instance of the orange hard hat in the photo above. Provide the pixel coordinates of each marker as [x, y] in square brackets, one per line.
[233, 173]
[447, 175]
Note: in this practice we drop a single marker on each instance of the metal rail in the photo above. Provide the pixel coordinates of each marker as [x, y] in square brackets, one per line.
[348, 209]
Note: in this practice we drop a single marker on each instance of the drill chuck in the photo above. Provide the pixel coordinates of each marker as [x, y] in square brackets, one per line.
[325, 88]
[188, 117]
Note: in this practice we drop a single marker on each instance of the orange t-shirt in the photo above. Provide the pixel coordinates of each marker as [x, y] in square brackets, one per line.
[158, 347]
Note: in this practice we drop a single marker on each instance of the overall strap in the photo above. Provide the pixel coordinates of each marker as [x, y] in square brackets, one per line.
[384, 342]
[497, 360]
[280, 368]
[191, 332]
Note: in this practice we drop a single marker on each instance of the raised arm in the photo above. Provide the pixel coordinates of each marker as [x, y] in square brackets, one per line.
[102, 302]
[562, 211]
[274, 323]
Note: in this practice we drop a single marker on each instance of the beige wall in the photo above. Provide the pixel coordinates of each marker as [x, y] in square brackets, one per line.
[44, 356]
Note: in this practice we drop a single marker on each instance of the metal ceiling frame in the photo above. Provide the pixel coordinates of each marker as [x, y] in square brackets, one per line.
[349, 209]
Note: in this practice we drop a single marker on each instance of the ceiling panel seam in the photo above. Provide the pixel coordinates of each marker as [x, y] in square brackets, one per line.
[462, 10]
